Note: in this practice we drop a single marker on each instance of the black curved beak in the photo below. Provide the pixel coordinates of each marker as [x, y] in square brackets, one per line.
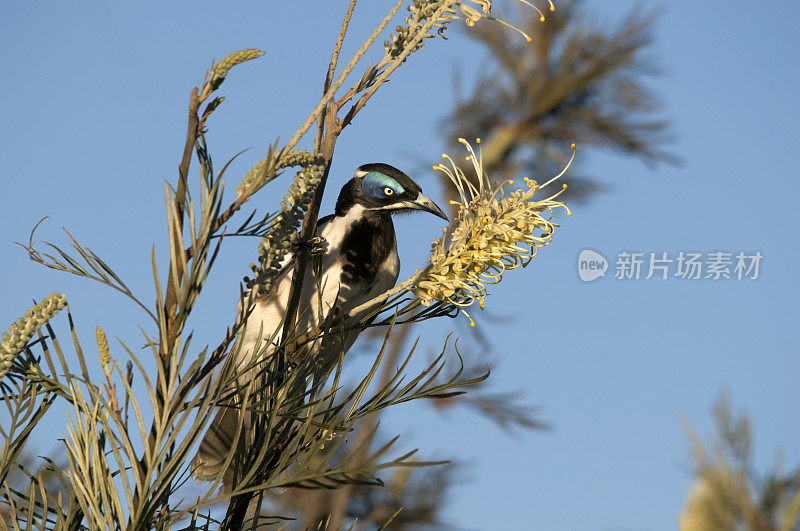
[423, 202]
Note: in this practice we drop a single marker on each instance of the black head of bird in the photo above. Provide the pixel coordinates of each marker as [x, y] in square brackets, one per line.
[383, 189]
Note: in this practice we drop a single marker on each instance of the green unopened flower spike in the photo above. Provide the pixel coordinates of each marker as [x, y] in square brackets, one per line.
[21, 331]
[257, 176]
[495, 231]
[283, 228]
[420, 11]
[102, 348]
[222, 68]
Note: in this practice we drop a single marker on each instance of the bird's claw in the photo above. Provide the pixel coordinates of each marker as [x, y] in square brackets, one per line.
[315, 246]
[318, 245]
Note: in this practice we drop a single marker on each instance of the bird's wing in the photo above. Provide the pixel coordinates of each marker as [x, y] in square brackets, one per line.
[262, 325]
[319, 295]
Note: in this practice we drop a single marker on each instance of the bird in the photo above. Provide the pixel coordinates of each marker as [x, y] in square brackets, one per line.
[357, 261]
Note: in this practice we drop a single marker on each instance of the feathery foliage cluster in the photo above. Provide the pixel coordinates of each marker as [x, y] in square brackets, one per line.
[130, 434]
[727, 492]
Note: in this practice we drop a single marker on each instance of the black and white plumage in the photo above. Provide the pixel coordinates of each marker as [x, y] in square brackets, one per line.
[359, 262]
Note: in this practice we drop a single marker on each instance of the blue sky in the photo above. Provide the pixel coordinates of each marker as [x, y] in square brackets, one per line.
[94, 98]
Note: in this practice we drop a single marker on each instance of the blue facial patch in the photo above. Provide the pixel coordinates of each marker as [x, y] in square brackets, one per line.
[380, 186]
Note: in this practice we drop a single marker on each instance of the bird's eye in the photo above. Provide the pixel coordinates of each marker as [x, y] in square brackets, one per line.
[388, 191]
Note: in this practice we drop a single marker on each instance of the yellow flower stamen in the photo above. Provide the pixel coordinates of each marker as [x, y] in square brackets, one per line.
[541, 15]
[562, 172]
[513, 27]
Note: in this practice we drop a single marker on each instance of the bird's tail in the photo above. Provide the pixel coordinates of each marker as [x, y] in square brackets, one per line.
[208, 464]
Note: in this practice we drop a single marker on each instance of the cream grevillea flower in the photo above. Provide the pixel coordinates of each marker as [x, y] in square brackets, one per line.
[472, 14]
[441, 13]
[495, 231]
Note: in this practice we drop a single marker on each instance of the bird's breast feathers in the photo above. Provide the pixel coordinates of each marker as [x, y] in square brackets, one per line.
[360, 261]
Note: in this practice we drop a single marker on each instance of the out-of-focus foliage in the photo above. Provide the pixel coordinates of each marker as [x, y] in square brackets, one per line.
[576, 82]
[411, 498]
[727, 493]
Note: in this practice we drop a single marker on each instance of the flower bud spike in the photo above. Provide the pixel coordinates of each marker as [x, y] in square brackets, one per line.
[493, 233]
